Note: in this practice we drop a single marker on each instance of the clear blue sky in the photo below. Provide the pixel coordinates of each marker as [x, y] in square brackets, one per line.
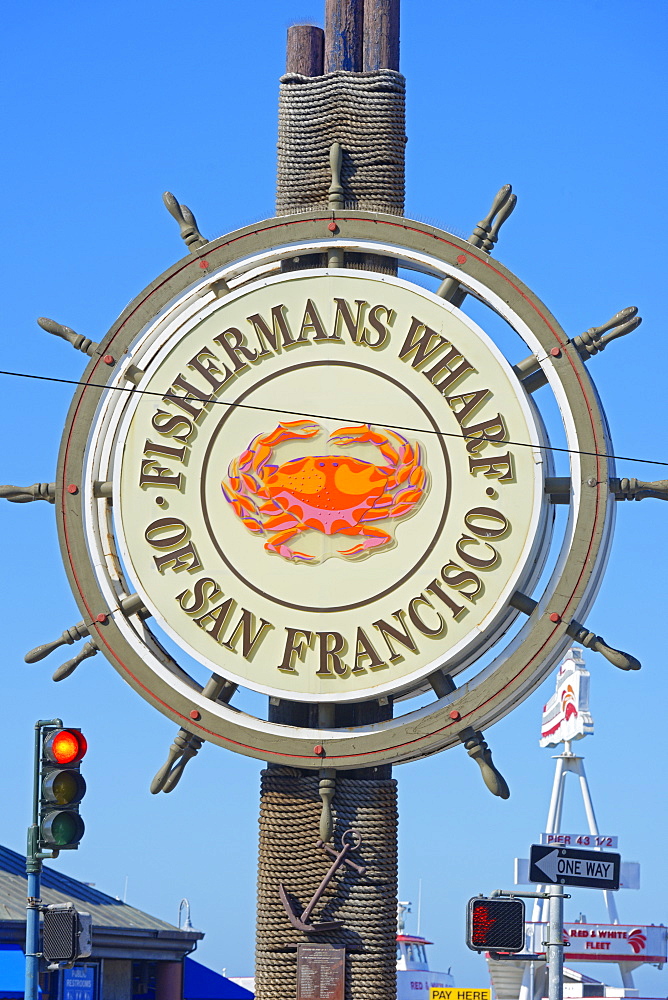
[106, 106]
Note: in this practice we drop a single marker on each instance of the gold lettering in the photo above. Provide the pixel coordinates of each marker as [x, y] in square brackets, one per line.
[454, 374]
[355, 326]
[435, 588]
[295, 648]
[382, 329]
[233, 343]
[501, 468]
[461, 579]
[470, 400]
[365, 649]
[486, 514]
[419, 342]
[209, 371]
[404, 637]
[250, 636]
[179, 558]
[471, 560]
[198, 595]
[279, 327]
[173, 421]
[330, 653]
[152, 474]
[187, 402]
[488, 430]
[421, 626]
[218, 616]
[311, 323]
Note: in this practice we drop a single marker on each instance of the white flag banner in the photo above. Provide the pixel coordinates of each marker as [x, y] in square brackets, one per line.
[633, 943]
[566, 715]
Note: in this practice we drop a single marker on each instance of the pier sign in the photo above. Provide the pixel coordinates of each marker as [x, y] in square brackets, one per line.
[574, 866]
[578, 840]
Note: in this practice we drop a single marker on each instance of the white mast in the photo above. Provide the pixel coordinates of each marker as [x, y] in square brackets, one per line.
[566, 718]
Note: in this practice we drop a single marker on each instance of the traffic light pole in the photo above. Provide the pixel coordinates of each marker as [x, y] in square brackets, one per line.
[34, 871]
[555, 943]
[554, 946]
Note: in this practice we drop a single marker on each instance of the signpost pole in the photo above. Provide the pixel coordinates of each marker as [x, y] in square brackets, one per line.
[34, 871]
[555, 943]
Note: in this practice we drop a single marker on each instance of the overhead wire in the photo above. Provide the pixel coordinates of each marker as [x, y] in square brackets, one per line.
[339, 419]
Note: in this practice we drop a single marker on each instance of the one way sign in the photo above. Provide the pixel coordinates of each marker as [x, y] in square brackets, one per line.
[572, 866]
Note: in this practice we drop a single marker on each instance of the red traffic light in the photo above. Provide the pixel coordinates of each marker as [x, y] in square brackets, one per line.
[495, 924]
[65, 746]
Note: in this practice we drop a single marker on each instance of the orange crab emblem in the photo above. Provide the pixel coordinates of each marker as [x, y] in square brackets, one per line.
[332, 494]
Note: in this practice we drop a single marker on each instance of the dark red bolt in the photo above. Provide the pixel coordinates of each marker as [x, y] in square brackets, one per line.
[204, 264]
[319, 750]
[73, 488]
[455, 715]
[195, 714]
[554, 617]
[332, 227]
[108, 359]
[462, 258]
[555, 352]
[102, 619]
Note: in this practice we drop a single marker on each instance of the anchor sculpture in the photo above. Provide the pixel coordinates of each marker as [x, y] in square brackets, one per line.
[340, 858]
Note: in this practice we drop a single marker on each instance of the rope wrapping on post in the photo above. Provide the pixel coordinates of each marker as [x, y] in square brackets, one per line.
[365, 112]
[289, 818]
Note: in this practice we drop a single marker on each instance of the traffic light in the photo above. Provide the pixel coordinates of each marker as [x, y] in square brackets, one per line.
[62, 788]
[66, 933]
[495, 924]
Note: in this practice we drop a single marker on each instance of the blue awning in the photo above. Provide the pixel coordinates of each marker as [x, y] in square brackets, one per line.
[200, 983]
[12, 973]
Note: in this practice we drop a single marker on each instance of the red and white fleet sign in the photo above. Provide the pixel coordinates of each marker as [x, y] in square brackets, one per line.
[607, 942]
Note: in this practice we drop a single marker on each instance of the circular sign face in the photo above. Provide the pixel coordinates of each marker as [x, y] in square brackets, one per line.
[330, 485]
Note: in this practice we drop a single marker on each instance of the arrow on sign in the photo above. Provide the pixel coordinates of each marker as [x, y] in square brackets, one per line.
[548, 865]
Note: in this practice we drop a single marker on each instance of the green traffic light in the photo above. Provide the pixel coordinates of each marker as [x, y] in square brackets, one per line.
[62, 829]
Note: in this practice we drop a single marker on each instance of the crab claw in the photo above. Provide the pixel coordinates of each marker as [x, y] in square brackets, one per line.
[289, 429]
[349, 435]
[371, 538]
[277, 544]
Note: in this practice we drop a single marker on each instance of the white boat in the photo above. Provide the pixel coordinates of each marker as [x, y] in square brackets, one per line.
[414, 977]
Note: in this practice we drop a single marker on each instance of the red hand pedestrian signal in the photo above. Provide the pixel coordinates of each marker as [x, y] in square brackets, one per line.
[495, 924]
[482, 924]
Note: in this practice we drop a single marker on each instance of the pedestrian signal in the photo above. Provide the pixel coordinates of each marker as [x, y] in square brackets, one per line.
[66, 934]
[495, 924]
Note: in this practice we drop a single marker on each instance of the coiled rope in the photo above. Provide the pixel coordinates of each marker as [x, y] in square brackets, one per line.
[365, 112]
[289, 817]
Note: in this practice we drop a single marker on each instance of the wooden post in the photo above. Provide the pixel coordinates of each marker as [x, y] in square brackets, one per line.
[305, 50]
[344, 24]
[381, 35]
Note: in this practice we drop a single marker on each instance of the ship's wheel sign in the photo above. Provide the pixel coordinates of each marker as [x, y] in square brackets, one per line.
[348, 552]
[330, 485]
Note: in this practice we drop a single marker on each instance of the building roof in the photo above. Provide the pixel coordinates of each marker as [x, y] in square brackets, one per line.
[117, 928]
